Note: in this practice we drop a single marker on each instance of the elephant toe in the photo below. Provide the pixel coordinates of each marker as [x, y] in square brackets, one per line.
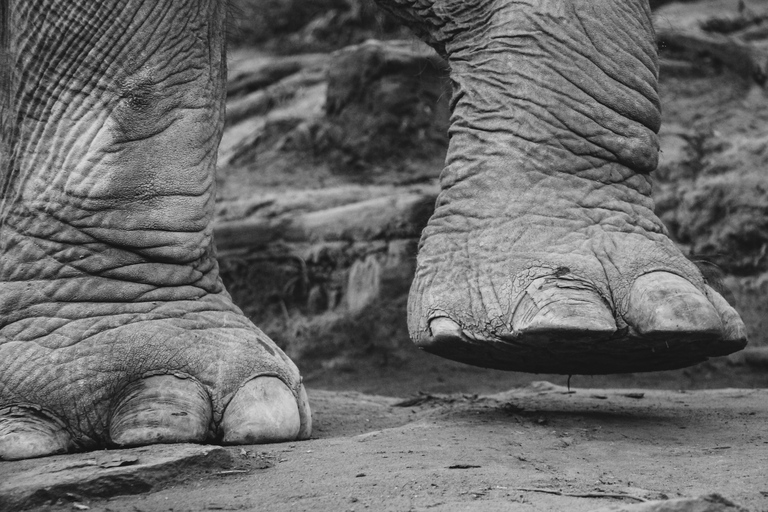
[447, 339]
[734, 330]
[264, 410]
[554, 328]
[442, 330]
[161, 409]
[26, 432]
[564, 309]
[680, 320]
[661, 303]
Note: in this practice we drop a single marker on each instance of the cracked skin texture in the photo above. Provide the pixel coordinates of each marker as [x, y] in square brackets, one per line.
[543, 253]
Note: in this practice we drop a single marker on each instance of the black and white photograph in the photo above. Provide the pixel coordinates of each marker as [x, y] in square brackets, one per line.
[384, 255]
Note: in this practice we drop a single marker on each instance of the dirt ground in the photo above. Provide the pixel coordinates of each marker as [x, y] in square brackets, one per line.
[536, 447]
[509, 451]
[421, 433]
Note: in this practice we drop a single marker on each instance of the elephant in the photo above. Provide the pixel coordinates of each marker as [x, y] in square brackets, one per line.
[543, 253]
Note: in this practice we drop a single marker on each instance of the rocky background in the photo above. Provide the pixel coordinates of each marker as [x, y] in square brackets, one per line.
[336, 133]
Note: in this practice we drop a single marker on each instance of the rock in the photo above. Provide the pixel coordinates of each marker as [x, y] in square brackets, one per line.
[35, 482]
[363, 284]
[711, 190]
[399, 214]
[725, 219]
[383, 96]
[750, 298]
[248, 72]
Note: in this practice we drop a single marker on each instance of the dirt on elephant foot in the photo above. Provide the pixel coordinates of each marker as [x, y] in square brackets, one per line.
[540, 447]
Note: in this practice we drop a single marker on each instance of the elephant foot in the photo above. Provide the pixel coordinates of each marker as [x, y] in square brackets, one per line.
[191, 371]
[582, 292]
[544, 253]
[115, 328]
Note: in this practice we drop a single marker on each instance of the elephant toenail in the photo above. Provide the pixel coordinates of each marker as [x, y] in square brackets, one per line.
[444, 327]
[161, 409]
[665, 303]
[26, 432]
[562, 307]
[445, 337]
[263, 410]
[305, 413]
[734, 330]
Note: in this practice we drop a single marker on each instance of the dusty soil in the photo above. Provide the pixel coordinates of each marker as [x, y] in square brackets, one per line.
[540, 447]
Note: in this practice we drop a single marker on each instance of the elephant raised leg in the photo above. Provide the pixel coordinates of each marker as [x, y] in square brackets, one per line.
[115, 329]
[544, 254]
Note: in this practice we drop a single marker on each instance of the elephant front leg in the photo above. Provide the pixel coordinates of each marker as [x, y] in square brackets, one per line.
[544, 254]
[115, 329]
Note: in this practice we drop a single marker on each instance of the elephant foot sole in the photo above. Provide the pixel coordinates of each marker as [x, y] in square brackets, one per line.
[578, 353]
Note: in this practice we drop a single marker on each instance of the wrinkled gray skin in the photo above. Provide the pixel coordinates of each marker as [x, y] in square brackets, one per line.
[543, 253]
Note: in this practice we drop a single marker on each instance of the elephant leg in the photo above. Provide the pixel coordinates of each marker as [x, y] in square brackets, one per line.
[544, 253]
[115, 328]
